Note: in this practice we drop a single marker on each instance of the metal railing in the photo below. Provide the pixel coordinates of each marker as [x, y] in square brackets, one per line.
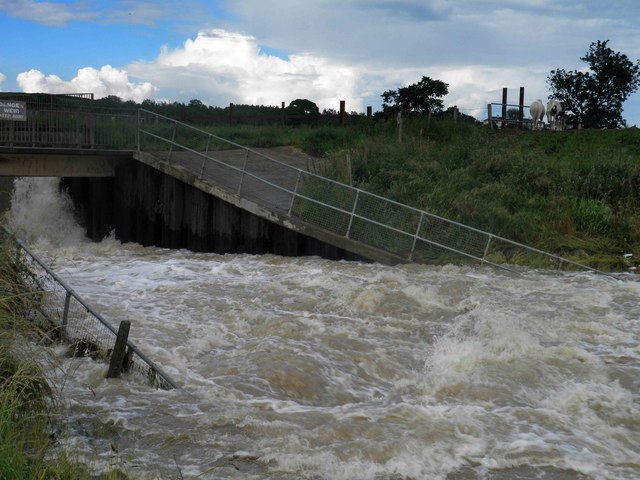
[59, 310]
[68, 122]
[409, 234]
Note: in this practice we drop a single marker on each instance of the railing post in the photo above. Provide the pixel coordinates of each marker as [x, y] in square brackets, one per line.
[486, 249]
[295, 192]
[138, 123]
[244, 170]
[415, 238]
[173, 139]
[65, 315]
[116, 364]
[204, 159]
[353, 212]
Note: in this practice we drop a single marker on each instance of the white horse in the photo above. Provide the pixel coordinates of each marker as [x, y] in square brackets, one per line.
[536, 109]
[555, 114]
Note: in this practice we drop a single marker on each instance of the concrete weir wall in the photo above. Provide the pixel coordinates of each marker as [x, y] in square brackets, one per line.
[148, 207]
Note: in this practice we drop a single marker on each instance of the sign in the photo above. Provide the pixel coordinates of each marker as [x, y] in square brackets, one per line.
[13, 110]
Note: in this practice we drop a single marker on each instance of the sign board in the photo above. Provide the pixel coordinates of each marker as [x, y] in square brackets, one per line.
[13, 110]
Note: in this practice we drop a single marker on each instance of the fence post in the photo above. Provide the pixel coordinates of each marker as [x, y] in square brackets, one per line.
[504, 108]
[521, 108]
[369, 111]
[489, 115]
[118, 355]
[119, 350]
[455, 113]
[342, 112]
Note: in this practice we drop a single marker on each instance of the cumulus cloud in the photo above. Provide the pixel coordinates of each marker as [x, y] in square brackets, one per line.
[2, 78]
[103, 82]
[219, 67]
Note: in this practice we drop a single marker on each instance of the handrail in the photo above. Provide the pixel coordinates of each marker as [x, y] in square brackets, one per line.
[351, 214]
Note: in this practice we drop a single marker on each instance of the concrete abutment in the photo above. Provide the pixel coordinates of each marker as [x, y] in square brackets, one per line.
[144, 205]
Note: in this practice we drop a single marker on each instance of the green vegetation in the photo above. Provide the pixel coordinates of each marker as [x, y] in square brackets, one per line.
[574, 193]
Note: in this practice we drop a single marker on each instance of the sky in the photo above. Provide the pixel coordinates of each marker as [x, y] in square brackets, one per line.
[265, 52]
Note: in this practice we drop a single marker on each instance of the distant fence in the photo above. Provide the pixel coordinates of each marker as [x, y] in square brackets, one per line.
[409, 234]
[67, 317]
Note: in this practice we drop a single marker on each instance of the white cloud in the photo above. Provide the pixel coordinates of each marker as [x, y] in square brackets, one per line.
[103, 82]
[2, 78]
[219, 67]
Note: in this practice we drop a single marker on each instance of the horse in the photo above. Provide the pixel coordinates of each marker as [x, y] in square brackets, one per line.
[536, 109]
[555, 114]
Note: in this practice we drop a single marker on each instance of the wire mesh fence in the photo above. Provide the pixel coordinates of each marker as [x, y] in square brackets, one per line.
[410, 234]
[64, 316]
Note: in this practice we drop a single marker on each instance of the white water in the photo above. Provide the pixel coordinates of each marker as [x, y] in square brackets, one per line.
[301, 368]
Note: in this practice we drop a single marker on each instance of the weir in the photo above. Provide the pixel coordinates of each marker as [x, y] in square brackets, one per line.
[177, 186]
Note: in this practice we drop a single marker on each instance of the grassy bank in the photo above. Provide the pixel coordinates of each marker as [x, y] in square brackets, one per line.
[573, 193]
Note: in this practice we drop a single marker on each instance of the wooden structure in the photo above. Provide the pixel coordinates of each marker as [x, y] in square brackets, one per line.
[503, 120]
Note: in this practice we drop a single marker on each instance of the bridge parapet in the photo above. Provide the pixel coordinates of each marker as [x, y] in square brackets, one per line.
[70, 122]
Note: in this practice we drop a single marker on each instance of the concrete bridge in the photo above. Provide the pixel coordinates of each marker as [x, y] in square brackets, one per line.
[157, 181]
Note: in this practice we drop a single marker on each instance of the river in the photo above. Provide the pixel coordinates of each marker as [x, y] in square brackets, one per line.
[303, 368]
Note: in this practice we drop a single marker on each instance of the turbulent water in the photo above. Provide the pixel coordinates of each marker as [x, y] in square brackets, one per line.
[302, 368]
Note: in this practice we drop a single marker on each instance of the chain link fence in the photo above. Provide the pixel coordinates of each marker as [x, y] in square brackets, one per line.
[64, 316]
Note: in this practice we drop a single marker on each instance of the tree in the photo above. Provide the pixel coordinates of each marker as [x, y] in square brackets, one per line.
[302, 106]
[196, 104]
[420, 97]
[595, 98]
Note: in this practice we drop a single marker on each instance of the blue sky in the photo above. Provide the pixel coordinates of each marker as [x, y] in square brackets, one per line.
[267, 52]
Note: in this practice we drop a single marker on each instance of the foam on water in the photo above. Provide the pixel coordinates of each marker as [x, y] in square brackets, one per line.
[306, 368]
